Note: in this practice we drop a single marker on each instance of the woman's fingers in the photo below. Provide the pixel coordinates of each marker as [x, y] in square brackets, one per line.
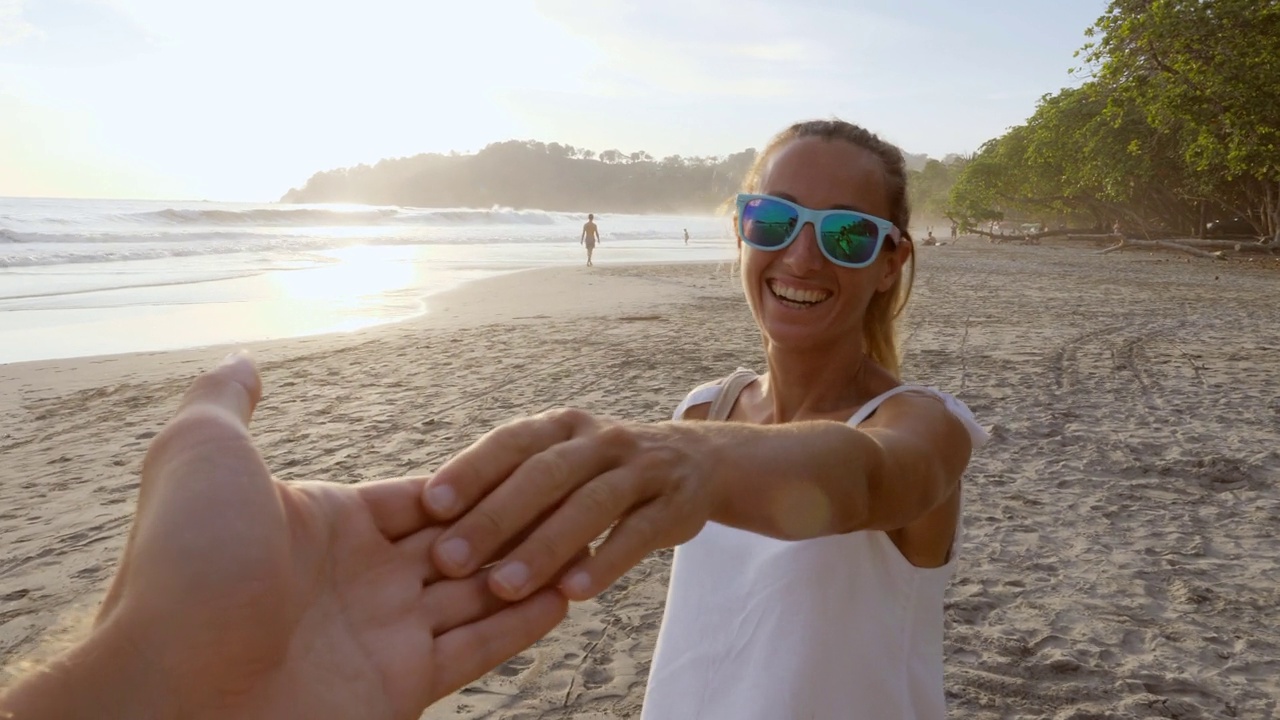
[536, 487]
[470, 475]
[630, 541]
[553, 545]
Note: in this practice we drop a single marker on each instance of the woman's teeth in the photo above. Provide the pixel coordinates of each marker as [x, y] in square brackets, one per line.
[796, 296]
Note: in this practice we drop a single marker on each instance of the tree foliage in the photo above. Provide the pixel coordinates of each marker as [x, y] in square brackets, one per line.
[929, 187]
[1180, 120]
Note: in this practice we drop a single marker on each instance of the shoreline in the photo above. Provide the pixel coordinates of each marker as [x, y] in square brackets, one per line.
[87, 278]
[1118, 548]
[515, 296]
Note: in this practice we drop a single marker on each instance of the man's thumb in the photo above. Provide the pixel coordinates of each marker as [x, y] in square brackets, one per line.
[232, 386]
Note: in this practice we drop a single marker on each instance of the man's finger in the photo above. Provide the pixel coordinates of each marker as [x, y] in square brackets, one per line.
[395, 506]
[449, 604]
[233, 386]
[467, 652]
[211, 427]
[207, 437]
[415, 549]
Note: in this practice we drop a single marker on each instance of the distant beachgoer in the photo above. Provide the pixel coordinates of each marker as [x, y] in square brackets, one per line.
[955, 229]
[590, 236]
[686, 236]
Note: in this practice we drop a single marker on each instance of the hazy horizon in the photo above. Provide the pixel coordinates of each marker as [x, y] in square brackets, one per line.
[138, 99]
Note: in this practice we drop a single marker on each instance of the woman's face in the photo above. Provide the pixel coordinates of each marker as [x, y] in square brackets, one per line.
[800, 299]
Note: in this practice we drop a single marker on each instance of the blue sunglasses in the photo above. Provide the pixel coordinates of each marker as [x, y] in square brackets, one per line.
[848, 238]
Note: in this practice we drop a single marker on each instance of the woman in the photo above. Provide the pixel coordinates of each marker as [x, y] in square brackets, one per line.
[816, 528]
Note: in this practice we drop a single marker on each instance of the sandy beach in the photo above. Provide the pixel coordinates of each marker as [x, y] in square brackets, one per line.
[1121, 548]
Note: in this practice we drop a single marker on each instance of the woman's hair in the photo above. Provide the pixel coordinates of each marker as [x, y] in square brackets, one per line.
[878, 330]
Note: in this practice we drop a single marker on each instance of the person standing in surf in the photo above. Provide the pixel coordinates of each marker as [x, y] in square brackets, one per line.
[590, 236]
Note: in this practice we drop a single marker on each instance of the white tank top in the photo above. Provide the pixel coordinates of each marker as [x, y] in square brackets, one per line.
[838, 627]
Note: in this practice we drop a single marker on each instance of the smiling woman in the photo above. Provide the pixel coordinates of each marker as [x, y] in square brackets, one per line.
[817, 529]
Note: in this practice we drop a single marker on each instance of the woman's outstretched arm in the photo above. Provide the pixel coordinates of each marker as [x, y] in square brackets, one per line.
[565, 477]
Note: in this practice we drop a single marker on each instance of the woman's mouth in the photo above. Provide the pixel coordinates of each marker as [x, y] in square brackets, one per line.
[794, 297]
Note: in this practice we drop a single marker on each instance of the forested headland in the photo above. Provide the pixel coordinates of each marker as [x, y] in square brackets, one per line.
[546, 176]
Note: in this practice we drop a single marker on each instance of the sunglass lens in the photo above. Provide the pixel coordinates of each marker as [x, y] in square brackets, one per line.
[767, 223]
[849, 238]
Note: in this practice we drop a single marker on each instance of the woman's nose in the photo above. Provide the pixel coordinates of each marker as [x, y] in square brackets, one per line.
[803, 253]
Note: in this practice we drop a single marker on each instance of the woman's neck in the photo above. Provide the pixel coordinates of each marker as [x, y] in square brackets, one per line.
[802, 384]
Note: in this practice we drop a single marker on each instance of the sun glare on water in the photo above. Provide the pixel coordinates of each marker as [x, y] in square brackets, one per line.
[357, 287]
[353, 276]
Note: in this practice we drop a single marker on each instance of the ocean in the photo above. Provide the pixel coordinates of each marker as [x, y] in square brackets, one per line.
[96, 277]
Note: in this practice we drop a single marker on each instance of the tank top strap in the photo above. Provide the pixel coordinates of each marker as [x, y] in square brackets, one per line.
[733, 386]
[978, 435]
[874, 403]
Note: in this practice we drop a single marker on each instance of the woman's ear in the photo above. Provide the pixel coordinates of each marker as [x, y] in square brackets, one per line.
[895, 260]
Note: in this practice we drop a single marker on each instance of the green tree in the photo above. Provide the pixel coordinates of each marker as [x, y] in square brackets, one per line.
[1180, 118]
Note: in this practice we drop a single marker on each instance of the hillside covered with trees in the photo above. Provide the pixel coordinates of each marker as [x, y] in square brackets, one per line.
[546, 176]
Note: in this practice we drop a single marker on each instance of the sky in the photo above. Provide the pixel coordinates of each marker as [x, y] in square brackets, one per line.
[244, 99]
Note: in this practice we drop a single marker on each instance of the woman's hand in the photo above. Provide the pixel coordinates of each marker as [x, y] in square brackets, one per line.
[550, 484]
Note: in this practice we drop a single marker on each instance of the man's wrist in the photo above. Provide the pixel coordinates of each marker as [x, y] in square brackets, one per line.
[103, 676]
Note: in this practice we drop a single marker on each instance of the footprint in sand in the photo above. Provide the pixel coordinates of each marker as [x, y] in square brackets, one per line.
[514, 666]
[595, 676]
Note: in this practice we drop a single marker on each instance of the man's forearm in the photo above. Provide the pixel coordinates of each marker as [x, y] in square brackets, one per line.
[97, 678]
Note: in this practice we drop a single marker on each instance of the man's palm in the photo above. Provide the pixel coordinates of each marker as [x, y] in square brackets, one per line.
[308, 600]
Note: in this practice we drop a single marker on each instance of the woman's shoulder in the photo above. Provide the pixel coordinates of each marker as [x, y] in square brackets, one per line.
[977, 434]
[704, 394]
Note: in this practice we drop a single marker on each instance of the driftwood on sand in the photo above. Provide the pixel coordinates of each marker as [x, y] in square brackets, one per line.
[1210, 249]
[1200, 247]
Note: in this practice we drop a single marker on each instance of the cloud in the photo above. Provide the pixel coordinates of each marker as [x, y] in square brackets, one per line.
[68, 33]
[733, 48]
[47, 152]
[13, 28]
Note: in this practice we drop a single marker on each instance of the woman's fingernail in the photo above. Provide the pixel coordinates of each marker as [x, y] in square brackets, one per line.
[578, 583]
[455, 551]
[441, 498]
[512, 576]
